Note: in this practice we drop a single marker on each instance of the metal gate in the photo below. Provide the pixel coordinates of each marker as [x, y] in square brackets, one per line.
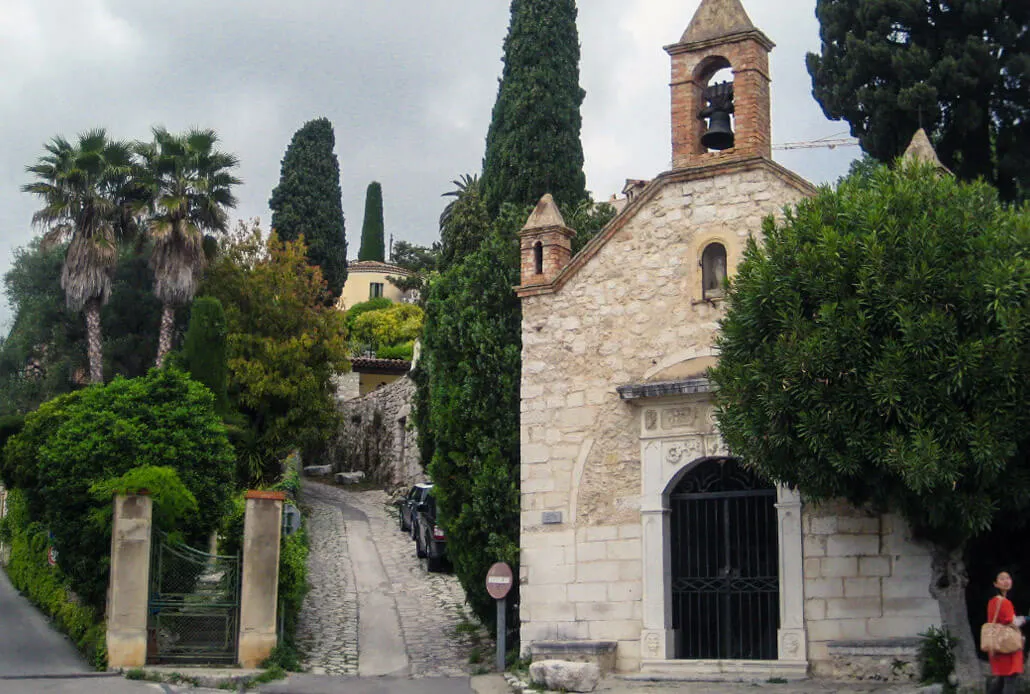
[194, 605]
[725, 564]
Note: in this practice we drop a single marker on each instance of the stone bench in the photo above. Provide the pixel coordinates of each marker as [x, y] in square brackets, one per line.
[601, 653]
[881, 660]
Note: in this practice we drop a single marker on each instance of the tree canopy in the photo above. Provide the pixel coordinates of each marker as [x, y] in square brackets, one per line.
[875, 349]
[958, 68]
[308, 201]
[284, 346]
[373, 243]
[533, 145]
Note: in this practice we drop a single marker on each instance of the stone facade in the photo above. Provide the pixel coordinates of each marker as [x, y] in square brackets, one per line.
[376, 435]
[866, 579]
[616, 411]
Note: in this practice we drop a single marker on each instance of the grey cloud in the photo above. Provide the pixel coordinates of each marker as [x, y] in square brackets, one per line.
[408, 85]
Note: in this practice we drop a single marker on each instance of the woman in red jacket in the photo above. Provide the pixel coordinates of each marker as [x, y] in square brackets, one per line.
[1006, 667]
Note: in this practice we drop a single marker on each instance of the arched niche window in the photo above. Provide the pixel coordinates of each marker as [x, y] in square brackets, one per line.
[713, 271]
[538, 258]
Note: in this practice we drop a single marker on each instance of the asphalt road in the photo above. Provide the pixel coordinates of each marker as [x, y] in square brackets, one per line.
[36, 659]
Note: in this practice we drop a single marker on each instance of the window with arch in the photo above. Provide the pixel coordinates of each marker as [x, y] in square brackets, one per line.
[538, 258]
[713, 271]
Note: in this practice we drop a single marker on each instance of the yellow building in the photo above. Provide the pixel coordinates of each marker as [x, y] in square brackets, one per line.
[369, 279]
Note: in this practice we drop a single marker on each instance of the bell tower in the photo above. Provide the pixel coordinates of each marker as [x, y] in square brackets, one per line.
[715, 123]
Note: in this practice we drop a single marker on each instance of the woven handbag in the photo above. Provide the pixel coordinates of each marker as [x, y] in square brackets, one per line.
[1000, 638]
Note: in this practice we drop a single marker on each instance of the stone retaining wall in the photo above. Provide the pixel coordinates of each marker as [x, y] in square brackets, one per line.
[377, 437]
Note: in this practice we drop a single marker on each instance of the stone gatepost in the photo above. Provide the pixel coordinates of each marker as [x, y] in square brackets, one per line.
[259, 594]
[129, 583]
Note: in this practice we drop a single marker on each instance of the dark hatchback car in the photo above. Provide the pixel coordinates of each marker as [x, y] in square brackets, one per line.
[406, 506]
[430, 541]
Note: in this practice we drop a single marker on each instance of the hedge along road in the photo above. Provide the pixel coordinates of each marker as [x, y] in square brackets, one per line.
[35, 658]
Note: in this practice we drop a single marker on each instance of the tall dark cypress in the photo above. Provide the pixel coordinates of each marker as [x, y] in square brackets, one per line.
[960, 69]
[533, 146]
[373, 245]
[308, 200]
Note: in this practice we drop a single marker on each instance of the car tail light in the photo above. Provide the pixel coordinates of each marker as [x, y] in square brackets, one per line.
[438, 533]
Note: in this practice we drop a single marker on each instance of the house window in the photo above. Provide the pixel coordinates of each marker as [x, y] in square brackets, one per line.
[538, 258]
[375, 290]
[713, 271]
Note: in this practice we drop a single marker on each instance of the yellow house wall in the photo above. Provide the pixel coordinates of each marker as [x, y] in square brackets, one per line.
[370, 382]
[356, 289]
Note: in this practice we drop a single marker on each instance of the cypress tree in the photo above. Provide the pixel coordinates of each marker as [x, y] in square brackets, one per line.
[308, 201]
[960, 69]
[373, 247]
[533, 146]
[204, 349]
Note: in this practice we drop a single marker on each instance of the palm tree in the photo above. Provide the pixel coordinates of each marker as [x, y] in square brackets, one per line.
[86, 190]
[190, 188]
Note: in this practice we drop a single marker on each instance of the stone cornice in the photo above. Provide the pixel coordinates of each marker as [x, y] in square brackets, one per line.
[690, 386]
[695, 46]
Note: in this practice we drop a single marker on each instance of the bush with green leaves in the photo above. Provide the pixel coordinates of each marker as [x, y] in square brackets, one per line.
[936, 656]
[875, 349]
[203, 353]
[386, 327]
[100, 433]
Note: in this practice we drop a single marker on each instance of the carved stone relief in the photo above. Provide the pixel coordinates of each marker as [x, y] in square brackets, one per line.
[684, 451]
[650, 420]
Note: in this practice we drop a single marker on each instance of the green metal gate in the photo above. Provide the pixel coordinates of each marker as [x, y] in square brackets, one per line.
[194, 606]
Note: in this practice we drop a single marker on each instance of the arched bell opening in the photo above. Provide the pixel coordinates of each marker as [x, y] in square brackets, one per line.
[715, 79]
[724, 563]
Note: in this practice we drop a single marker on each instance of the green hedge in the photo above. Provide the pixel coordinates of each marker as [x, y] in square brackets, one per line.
[45, 585]
[99, 434]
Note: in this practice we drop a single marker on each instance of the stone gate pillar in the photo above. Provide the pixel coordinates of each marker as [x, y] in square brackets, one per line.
[129, 583]
[259, 594]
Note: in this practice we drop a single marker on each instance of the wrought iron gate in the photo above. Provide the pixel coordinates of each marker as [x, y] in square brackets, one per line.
[194, 605]
[725, 564]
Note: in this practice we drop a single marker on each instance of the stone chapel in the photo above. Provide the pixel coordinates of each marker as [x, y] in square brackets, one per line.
[644, 545]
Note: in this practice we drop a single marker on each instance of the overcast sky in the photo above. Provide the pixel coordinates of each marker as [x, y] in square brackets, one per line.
[408, 85]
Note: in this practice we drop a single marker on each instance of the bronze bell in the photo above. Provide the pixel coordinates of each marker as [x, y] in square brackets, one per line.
[719, 135]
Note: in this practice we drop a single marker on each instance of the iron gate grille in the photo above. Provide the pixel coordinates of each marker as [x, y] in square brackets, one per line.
[725, 564]
[194, 605]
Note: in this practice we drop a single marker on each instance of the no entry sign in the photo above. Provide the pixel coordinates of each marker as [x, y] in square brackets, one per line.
[499, 580]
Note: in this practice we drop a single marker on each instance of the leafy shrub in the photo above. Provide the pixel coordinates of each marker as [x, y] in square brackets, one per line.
[936, 655]
[172, 502]
[100, 433]
[405, 351]
[46, 586]
[393, 325]
[357, 310]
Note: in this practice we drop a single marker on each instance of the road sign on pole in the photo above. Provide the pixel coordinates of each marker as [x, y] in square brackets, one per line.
[499, 580]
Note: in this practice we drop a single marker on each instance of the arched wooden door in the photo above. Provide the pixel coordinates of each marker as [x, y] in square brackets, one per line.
[725, 564]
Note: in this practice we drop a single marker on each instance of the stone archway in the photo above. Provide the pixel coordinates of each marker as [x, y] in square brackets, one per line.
[677, 435]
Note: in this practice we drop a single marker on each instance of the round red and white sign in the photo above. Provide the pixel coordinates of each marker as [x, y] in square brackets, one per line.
[499, 580]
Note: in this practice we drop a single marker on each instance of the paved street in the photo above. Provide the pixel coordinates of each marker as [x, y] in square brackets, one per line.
[36, 659]
[372, 609]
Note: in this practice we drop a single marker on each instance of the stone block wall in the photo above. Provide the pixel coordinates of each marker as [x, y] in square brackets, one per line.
[377, 436]
[866, 578]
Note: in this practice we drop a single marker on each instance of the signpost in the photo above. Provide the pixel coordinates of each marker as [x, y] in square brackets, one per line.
[499, 580]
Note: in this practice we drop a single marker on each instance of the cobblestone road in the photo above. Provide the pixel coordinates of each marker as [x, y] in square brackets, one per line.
[430, 607]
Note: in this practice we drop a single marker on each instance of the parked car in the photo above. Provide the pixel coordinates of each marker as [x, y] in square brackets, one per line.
[430, 541]
[406, 507]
